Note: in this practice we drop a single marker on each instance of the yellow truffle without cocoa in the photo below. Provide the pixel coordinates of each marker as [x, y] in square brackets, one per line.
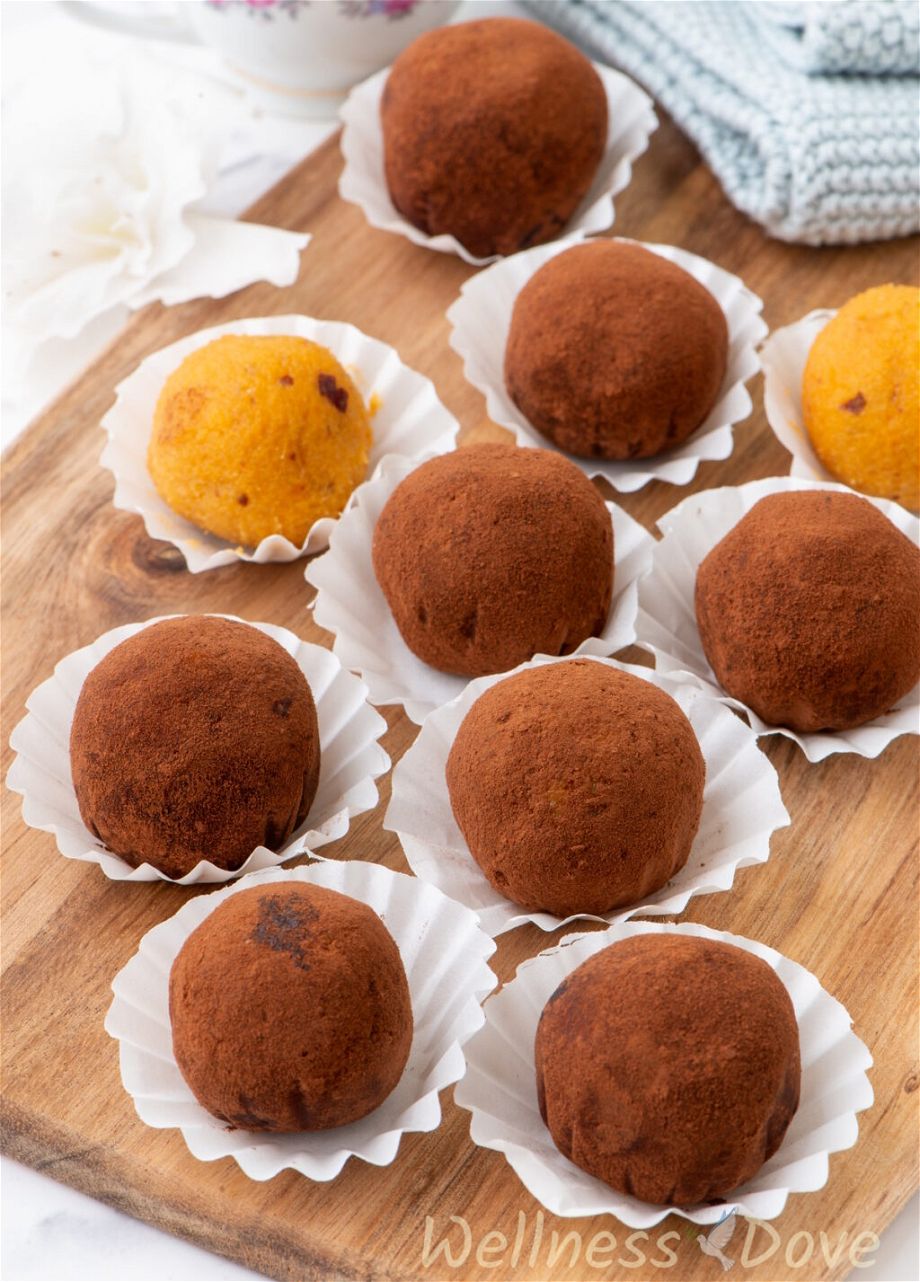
[860, 394]
[254, 436]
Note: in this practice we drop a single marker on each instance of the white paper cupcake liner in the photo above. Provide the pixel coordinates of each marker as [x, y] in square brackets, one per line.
[500, 1089]
[350, 603]
[783, 357]
[631, 122]
[480, 319]
[351, 759]
[445, 956]
[410, 420]
[742, 808]
[667, 616]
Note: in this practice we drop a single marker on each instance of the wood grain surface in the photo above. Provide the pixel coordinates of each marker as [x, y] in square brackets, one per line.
[839, 894]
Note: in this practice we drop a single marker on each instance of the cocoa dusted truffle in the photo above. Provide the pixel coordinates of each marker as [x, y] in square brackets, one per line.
[614, 352]
[194, 739]
[492, 132]
[808, 611]
[668, 1067]
[492, 554]
[578, 787]
[290, 1009]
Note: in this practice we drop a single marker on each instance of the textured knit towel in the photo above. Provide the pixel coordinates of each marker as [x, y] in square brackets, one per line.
[870, 37]
[807, 113]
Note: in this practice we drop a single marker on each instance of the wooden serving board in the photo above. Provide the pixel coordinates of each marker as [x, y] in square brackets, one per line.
[839, 894]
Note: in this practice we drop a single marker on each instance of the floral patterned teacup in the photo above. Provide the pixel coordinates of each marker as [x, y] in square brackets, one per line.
[300, 57]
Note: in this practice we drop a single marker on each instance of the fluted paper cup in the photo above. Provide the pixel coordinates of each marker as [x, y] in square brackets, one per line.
[500, 1089]
[742, 808]
[350, 603]
[667, 615]
[480, 321]
[351, 759]
[446, 960]
[631, 122]
[409, 419]
[783, 357]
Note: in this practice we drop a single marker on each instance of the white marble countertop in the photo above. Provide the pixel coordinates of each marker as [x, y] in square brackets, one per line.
[51, 1233]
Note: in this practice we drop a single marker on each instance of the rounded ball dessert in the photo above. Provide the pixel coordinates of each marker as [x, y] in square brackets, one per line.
[491, 554]
[290, 1009]
[577, 787]
[861, 394]
[258, 435]
[668, 1066]
[615, 353]
[493, 131]
[195, 739]
[807, 611]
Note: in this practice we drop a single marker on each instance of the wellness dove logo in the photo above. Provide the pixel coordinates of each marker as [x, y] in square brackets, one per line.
[720, 1237]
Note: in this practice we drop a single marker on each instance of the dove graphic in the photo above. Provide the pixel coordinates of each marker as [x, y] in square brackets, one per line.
[719, 1237]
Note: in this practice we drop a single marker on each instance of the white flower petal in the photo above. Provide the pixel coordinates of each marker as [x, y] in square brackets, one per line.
[226, 255]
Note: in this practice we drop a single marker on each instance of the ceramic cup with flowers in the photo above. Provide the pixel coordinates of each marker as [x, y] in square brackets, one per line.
[300, 57]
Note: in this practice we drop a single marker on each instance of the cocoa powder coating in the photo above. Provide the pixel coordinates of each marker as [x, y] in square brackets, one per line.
[491, 554]
[194, 739]
[614, 352]
[578, 787]
[493, 131]
[668, 1067]
[808, 611]
[290, 1009]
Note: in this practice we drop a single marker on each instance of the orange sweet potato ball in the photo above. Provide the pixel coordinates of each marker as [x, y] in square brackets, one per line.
[254, 436]
[860, 394]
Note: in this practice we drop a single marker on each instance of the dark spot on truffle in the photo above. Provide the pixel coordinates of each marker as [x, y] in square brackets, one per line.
[468, 626]
[286, 381]
[298, 1107]
[541, 1095]
[281, 707]
[243, 500]
[336, 395]
[855, 405]
[247, 1119]
[284, 927]
[530, 235]
[558, 992]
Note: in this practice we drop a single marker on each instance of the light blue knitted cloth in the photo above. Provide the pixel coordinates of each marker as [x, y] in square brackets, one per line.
[807, 113]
